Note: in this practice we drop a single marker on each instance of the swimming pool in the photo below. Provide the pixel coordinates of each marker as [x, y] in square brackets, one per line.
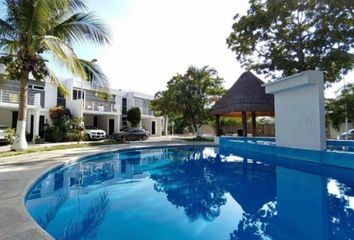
[194, 193]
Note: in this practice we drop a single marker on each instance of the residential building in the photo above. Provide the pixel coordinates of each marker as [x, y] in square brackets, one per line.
[83, 101]
[40, 100]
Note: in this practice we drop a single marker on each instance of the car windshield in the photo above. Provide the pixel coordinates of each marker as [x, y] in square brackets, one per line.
[90, 127]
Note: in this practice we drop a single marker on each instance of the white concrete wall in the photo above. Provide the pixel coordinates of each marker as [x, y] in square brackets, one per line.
[6, 118]
[299, 111]
[51, 95]
[88, 119]
[102, 122]
[75, 107]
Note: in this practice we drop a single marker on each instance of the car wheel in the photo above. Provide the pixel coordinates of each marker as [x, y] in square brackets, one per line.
[88, 138]
[145, 137]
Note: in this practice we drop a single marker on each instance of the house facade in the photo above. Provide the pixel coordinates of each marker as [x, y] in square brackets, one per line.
[83, 102]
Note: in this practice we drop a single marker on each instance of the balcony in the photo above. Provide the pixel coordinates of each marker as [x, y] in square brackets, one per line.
[146, 111]
[12, 97]
[100, 106]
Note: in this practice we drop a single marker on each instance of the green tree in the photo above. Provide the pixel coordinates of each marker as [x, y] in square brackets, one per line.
[341, 107]
[134, 116]
[287, 37]
[32, 30]
[189, 96]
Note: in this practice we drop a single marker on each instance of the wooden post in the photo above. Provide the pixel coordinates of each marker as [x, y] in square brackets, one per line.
[244, 124]
[254, 127]
[217, 123]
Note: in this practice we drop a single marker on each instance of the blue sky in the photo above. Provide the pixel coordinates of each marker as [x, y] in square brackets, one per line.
[155, 39]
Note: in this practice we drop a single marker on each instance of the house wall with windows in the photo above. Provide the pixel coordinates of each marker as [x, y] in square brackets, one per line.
[111, 114]
[83, 102]
[40, 99]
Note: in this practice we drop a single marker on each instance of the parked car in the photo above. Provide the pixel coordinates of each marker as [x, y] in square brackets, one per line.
[93, 133]
[350, 135]
[3, 134]
[131, 134]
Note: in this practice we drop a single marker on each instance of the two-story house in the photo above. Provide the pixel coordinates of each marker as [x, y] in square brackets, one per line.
[40, 100]
[155, 125]
[110, 115]
[83, 102]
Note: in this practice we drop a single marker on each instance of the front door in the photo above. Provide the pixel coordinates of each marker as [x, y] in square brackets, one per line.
[153, 128]
[41, 126]
[31, 126]
[14, 119]
[95, 124]
[111, 126]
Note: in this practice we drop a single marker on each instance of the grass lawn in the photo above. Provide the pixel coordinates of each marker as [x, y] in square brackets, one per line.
[57, 147]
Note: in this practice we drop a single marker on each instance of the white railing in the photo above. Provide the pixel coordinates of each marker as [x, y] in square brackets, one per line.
[100, 106]
[7, 96]
[146, 111]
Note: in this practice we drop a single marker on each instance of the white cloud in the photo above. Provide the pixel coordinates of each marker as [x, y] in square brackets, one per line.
[155, 39]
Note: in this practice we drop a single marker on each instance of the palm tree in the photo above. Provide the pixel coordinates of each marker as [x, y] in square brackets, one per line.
[35, 29]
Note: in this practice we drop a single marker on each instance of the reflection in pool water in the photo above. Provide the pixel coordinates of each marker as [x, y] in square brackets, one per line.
[193, 193]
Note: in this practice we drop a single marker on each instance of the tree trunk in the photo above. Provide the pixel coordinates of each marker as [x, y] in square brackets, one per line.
[20, 142]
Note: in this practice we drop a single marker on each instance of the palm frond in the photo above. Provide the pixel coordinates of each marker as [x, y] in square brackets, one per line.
[96, 78]
[53, 78]
[9, 46]
[6, 30]
[82, 27]
[78, 5]
[64, 54]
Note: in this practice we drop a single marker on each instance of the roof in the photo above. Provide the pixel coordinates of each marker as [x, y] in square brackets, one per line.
[246, 95]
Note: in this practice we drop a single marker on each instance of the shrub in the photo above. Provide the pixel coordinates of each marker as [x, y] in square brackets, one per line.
[65, 127]
[10, 135]
[134, 116]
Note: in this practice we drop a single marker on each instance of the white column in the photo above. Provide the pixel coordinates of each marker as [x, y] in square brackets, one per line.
[35, 123]
[116, 123]
[166, 125]
[299, 110]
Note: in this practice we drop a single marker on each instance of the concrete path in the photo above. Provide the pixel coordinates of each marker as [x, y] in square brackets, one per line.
[5, 148]
[19, 172]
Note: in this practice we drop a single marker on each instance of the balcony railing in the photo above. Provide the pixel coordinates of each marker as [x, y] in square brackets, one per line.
[146, 111]
[100, 106]
[7, 96]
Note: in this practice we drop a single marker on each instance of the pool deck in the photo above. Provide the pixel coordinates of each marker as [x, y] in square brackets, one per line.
[18, 173]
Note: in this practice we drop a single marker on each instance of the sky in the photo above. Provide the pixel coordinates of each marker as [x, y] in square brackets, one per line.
[155, 39]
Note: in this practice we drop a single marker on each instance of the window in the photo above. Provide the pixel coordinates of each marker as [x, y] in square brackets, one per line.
[61, 101]
[35, 87]
[38, 87]
[124, 121]
[78, 94]
[124, 106]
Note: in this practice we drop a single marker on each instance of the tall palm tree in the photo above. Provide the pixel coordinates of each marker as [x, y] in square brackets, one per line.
[35, 29]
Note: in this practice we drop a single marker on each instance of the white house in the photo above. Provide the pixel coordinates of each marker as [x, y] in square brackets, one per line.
[84, 102]
[41, 97]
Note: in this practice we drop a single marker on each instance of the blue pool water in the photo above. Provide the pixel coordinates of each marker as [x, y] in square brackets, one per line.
[185, 193]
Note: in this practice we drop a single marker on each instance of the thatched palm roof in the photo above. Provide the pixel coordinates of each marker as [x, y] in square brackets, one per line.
[246, 95]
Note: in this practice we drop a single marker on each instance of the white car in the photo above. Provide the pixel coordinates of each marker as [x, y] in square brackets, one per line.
[3, 134]
[350, 134]
[93, 133]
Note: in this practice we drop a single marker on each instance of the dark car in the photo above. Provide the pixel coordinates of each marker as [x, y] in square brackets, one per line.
[131, 134]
